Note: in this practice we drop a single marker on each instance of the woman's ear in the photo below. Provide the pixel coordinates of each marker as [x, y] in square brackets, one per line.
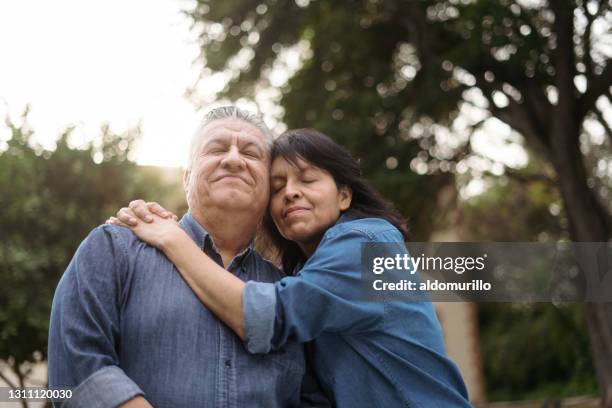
[345, 195]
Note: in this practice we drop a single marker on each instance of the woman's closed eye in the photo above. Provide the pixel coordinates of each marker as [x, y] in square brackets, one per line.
[276, 187]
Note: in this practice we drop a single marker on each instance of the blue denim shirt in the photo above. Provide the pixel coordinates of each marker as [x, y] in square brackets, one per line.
[125, 323]
[367, 354]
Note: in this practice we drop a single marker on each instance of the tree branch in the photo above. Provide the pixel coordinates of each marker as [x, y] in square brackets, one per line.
[526, 178]
[412, 18]
[6, 380]
[529, 20]
[538, 107]
[565, 60]
[517, 117]
[603, 122]
[21, 378]
[599, 85]
[586, 41]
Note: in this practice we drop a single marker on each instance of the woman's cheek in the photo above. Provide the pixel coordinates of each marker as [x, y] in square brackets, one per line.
[275, 211]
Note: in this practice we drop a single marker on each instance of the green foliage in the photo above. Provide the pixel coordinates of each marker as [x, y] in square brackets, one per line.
[514, 208]
[50, 200]
[376, 75]
[538, 350]
[346, 88]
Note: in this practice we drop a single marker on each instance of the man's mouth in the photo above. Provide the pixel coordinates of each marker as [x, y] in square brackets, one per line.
[232, 177]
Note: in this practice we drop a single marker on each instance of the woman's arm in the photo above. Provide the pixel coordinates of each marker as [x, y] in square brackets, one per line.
[326, 296]
[217, 288]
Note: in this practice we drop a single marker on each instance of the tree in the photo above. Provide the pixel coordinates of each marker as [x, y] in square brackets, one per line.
[389, 78]
[530, 350]
[50, 200]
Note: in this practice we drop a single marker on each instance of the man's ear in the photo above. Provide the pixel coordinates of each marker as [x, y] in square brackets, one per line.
[345, 196]
[186, 175]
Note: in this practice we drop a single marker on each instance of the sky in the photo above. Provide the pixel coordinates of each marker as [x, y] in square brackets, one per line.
[84, 63]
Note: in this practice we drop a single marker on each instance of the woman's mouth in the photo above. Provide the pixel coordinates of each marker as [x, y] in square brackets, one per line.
[293, 211]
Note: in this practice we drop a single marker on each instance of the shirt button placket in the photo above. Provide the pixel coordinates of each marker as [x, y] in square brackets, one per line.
[223, 390]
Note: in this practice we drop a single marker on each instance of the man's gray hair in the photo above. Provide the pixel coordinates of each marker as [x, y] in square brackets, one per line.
[229, 112]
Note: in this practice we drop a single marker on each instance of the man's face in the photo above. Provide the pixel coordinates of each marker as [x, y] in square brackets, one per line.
[229, 169]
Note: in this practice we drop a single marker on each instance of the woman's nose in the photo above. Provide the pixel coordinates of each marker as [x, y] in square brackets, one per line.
[292, 191]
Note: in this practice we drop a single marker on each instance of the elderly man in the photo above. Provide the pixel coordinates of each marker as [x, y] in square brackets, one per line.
[126, 330]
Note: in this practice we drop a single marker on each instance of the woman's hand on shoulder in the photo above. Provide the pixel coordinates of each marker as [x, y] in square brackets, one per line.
[139, 210]
[149, 221]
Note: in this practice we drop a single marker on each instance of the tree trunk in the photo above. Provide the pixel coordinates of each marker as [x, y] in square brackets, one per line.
[600, 328]
[588, 221]
[587, 217]
[17, 369]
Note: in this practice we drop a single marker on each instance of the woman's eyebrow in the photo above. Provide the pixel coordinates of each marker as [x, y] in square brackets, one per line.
[304, 166]
[308, 169]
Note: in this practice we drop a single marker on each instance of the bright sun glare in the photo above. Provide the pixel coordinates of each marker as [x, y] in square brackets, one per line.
[85, 63]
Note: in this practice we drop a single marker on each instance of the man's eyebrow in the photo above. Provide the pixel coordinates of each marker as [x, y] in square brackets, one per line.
[250, 143]
[225, 140]
[214, 139]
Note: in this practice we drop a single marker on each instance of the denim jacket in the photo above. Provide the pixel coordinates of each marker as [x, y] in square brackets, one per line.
[366, 354]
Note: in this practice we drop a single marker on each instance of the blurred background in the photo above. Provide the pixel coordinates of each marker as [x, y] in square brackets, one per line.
[480, 120]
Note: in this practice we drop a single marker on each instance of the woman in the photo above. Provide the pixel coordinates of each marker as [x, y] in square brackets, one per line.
[321, 211]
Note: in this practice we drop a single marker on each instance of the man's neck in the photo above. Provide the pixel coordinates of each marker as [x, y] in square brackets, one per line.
[231, 231]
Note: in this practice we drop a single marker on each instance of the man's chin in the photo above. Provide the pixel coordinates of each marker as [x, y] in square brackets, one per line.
[237, 198]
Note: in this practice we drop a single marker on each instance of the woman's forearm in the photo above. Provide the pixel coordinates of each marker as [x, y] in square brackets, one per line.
[217, 288]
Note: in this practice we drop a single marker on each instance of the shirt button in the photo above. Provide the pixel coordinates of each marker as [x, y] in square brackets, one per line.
[228, 363]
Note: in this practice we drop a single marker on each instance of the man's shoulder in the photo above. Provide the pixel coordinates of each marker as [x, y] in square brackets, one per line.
[110, 241]
[113, 234]
[103, 253]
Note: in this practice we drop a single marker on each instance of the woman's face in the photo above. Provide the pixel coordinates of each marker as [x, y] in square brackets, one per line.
[305, 201]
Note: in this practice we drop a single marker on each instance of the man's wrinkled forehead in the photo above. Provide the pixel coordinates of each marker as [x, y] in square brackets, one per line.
[231, 129]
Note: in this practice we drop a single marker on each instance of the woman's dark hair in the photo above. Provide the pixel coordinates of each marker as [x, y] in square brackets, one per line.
[320, 151]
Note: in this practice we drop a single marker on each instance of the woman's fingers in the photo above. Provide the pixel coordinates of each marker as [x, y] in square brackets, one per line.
[127, 216]
[115, 221]
[156, 208]
[141, 210]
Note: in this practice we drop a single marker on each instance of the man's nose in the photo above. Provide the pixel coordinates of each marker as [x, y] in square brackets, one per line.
[233, 160]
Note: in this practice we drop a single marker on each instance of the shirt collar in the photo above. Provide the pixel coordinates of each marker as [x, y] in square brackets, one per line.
[346, 217]
[203, 239]
[193, 228]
